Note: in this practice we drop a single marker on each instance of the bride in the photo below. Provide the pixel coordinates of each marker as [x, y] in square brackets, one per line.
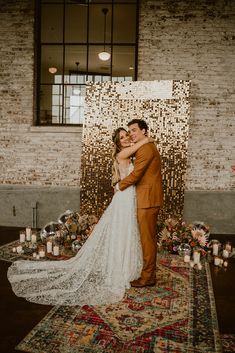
[108, 261]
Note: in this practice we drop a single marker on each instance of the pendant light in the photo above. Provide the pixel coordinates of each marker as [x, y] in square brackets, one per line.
[104, 55]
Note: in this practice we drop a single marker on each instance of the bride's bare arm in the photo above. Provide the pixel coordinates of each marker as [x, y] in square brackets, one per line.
[128, 151]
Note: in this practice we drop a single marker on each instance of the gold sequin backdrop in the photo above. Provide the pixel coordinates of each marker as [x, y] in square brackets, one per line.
[164, 105]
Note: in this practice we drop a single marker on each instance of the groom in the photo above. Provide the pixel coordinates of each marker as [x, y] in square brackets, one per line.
[148, 180]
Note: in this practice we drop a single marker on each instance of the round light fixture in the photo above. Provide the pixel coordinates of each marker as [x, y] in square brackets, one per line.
[52, 70]
[104, 55]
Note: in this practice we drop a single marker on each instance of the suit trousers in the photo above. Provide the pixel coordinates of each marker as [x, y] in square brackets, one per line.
[147, 219]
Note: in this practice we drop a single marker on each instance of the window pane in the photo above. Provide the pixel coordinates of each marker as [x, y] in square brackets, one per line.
[96, 24]
[51, 57]
[52, 23]
[75, 62]
[124, 61]
[74, 104]
[75, 23]
[96, 65]
[124, 24]
[57, 100]
[47, 114]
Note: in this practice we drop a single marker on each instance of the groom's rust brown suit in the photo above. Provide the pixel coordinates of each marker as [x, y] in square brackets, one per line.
[147, 178]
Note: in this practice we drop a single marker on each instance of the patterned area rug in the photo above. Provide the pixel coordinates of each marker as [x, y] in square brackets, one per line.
[176, 316]
[228, 342]
[7, 254]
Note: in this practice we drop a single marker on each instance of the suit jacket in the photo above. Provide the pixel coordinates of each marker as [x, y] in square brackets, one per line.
[146, 176]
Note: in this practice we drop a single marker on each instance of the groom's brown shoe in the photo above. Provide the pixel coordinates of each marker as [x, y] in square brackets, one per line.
[143, 283]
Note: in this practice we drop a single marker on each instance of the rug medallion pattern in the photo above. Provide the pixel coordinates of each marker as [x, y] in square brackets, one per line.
[178, 315]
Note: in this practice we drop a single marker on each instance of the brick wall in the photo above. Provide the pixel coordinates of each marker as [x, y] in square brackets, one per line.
[178, 39]
[196, 40]
[29, 156]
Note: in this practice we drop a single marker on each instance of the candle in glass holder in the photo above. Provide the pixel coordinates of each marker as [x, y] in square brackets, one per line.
[37, 256]
[56, 250]
[49, 246]
[186, 258]
[196, 256]
[225, 263]
[34, 254]
[228, 246]
[215, 249]
[22, 236]
[225, 253]
[34, 238]
[14, 249]
[19, 249]
[28, 233]
[216, 261]
[41, 251]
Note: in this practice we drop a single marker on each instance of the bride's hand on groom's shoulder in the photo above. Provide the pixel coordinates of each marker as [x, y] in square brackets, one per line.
[150, 139]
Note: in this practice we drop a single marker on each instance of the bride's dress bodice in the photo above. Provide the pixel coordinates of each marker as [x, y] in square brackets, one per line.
[102, 269]
[125, 170]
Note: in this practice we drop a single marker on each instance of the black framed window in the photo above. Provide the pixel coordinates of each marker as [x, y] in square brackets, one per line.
[71, 36]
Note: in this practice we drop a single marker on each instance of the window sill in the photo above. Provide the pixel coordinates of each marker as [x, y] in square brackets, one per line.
[56, 129]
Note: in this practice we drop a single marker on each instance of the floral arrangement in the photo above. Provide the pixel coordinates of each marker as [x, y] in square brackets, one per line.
[71, 230]
[174, 232]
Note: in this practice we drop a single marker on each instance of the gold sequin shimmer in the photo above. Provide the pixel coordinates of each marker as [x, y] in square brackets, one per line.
[164, 105]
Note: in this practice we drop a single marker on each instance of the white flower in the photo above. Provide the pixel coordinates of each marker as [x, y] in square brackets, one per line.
[200, 236]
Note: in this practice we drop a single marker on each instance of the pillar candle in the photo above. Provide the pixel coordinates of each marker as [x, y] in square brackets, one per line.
[225, 263]
[49, 246]
[42, 253]
[225, 253]
[186, 258]
[28, 233]
[196, 256]
[34, 238]
[215, 248]
[216, 261]
[228, 247]
[22, 237]
[56, 250]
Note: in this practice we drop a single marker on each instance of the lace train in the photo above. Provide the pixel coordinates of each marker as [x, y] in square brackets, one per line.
[99, 273]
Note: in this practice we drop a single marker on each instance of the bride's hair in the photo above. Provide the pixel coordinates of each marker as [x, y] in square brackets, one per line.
[116, 150]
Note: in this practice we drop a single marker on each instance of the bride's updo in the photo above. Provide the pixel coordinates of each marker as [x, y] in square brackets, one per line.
[116, 150]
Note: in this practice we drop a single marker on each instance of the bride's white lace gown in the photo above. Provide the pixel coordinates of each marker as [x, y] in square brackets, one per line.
[102, 269]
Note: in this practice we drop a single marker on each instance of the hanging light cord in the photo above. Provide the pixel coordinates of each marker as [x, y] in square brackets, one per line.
[105, 11]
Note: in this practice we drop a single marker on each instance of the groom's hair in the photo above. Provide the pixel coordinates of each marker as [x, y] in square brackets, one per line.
[141, 123]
